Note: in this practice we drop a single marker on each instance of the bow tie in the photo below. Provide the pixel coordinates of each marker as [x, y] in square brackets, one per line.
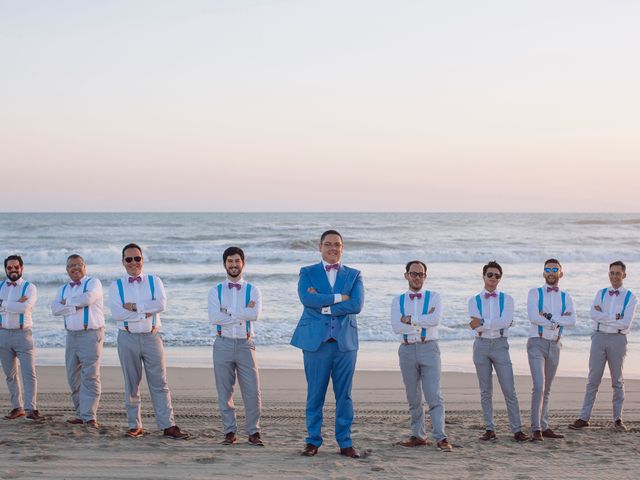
[12, 284]
[552, 289]
[489, 295]
[335, 266]
[614, 292]
[415, 295]
[234, 285]
[77, 284]
[135, 279]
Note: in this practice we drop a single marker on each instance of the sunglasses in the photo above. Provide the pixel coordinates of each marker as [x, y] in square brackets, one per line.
[554, 269]
[491, 275]
[9, 269]
[417, 275]
[131, 259]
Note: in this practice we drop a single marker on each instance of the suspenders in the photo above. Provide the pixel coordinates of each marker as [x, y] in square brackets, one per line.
[24, 290]
[85, 320]
[425, 310]
[563, 297]
[602, 294]
[2, 285]
[247, 299]
[152, 288]
[479, 304]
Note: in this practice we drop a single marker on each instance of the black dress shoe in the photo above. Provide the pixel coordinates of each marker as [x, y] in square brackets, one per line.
[15, 413]
[310, 450]
[349, 452]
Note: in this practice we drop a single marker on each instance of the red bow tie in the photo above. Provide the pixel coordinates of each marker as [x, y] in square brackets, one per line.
[335, 266]
[75, 284]
[135, 279]
[234, 285]
[614, 292]
[415, 295]
[489, 295]
[552, 289]
[12, 284]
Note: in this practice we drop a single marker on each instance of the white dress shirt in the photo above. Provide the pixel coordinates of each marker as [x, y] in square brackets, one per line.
[76, 301]
[492, 321]
[233, 314]
[551, 303]
[11, 309]
[140, 294]
[605, 321]
[429, 321]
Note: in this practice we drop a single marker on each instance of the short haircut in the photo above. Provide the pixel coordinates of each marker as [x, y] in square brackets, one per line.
[619, 263]
[75, 256]
[552, 260]
[130, 245]
[408, 266]
[330, 232]
[232, 251]
[13, 257]
[491, 264]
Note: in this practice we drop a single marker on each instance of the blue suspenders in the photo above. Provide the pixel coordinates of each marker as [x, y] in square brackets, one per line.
[247, 299]
[500, 301]
[425, 310]
[602, 294]
[563, 297]
[1, 285]
[152, 287]
[86, 308]
[24, 290]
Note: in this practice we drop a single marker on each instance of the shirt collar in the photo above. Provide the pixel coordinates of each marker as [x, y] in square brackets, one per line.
[326, 263]
[241, 281]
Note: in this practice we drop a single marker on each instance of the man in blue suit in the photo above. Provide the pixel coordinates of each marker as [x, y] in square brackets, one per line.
[332, 295]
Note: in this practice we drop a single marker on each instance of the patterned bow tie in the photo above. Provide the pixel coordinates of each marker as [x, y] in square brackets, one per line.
[135, 279]
[74, 284]
[234, 285]
[335, 266]
[489, 295]
[413, 296]
[552, 289]
[12, 284]
[614, 292]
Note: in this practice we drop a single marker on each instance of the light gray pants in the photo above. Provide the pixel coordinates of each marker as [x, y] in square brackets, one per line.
[136, 350]
[544, 358]
[17, 345]
[490, 353]
[611, 348]
[420, 367]
[233, 357]
[82, 358]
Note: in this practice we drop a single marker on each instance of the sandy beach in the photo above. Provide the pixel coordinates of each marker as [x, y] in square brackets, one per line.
[54, 449]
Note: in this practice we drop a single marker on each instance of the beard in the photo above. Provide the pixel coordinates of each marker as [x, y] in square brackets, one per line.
[233, 272]
[14, 276]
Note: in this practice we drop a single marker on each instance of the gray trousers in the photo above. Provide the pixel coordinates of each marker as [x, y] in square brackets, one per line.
[420, 367]
[135, 351]
[544, 358]
[17, 345]
[611, 348]
[489, 354]
[233, 357]
[82, 358]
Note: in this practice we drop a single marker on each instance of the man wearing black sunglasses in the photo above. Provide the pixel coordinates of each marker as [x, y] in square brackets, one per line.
[550, 310]
[491, 313]
[136, 301]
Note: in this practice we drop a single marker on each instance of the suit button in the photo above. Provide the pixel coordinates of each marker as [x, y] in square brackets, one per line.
[326, 323]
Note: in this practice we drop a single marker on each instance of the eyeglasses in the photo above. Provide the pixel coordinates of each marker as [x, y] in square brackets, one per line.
[16, 268]
[549, 269]
[131, 259]
[491, 275]
[417, 275]
[329, 245]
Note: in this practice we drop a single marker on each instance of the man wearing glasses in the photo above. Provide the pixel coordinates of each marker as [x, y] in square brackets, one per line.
[136, 301]
[491, 313]
[332, 295]
[17, 299]
[415, 315]
[612, 313]
[550, 310]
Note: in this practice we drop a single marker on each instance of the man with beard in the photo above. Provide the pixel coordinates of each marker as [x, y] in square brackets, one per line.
[612, 313]
[233, 307]
[415, 315]
[17, 299]
[550, 310]
[136, 301]
[80, 303]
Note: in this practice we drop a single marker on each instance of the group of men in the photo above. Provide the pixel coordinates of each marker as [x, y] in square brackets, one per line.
[332, 294]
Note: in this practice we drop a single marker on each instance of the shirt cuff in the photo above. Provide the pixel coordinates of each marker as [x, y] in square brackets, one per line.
[337, 298]
[326, 310]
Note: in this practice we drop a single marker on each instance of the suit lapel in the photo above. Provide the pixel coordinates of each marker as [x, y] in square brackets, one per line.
[340, 279]
[320, 277]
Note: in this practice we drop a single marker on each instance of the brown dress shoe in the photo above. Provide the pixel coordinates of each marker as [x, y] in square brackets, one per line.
[135, 432]
[255, 440]
[229, 438]
[489, 435]
[349, 452]
[444, 445]
[310, 450]
[15, 413]
[91, 423]
[619, 426]
[413, 441]
[520, 437]
[75, 421]
[34, 415]
[175, 433]
[537, 436]
[578, 424]
[548, 433]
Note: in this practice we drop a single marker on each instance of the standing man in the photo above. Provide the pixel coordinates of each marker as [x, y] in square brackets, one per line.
[332, 295]
[233, 307]
[415, 315]
[80, 303]
[491, 313]
[17, 299]
[550, 310]
[612, 313]
[136, 301]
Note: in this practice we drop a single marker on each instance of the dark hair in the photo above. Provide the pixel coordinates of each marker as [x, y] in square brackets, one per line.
[330, 232]
[75, 256]
[408, 266]
[13, 257]
[232, 251]
[619, 263]
[130, 245]
[552, 260]
[491, 264]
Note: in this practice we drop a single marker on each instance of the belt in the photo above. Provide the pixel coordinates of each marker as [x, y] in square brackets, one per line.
[331, 340]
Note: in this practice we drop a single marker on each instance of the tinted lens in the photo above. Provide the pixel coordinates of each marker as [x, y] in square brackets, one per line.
[131, 259]
[417, 274]
[554, 270]
[491, 275]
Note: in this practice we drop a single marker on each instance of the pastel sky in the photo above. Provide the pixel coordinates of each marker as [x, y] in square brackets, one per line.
[294, 105]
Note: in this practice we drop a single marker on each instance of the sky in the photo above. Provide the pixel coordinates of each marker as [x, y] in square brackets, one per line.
[287, 105]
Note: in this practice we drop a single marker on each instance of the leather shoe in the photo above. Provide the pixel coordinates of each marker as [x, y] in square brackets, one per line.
[537, 436]
[15, 413]
[229, 438]
[135, 432]
[91, 423]
[175, 433]
[548, 433]
[413, 441]
[444, 445]
[520, 437]
[255, 440]
[579, 424]
[489, 435]
[310, 450]
[75, 421]
[619, 426]
[34, 415]
[349, 452]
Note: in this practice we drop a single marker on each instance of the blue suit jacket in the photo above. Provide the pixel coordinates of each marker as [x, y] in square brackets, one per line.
[313, 324]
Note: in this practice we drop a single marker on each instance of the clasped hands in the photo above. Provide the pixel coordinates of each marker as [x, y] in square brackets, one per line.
[406, 319]
[599, 309]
